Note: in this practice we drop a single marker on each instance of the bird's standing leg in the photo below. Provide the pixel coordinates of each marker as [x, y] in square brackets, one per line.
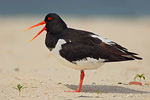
[81, 80]
[80, 84]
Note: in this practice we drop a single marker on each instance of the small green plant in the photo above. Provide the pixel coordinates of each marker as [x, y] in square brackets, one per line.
[139, 76]
[19, 88]
[98, 92]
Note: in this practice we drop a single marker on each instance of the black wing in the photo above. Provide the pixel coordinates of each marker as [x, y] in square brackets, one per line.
[87, 46]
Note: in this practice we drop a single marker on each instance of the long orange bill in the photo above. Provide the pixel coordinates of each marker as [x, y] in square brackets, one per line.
[44, 28]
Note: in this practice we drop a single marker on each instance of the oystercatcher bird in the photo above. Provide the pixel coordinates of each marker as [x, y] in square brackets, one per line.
[80, 49]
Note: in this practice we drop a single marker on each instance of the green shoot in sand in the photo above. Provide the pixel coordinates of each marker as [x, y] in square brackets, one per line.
[139, 76]
[19, 88]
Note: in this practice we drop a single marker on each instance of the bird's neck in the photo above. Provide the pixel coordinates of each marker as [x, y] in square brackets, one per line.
[54, 32]
[51, 41]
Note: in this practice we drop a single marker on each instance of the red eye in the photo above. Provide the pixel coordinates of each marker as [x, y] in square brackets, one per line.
[49, 18]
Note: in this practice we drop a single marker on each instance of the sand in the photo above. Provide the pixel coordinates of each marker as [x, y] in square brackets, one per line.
[33, 66]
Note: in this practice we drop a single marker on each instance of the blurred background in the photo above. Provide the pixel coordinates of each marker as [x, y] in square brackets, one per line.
[76, 7]
[126, 22]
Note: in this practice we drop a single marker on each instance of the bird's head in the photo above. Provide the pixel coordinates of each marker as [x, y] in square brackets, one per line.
[52, 22]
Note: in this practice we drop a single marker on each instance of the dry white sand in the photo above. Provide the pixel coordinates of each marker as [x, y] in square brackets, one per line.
[33, 66]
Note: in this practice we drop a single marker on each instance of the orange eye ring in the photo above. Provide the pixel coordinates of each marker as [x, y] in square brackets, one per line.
[49, 18]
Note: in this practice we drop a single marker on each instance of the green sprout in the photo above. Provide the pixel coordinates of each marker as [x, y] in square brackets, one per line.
[139, 76]
[19, 88]
[98, 92]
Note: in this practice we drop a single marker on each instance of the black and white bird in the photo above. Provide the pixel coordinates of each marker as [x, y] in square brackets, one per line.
[80, 49]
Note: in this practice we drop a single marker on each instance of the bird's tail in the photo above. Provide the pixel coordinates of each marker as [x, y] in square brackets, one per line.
[132, 56]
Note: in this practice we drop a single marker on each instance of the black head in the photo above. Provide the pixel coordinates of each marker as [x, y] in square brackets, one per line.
[54, 23]
[50, 16]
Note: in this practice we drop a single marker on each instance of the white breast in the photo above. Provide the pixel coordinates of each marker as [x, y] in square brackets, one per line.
[87, 64]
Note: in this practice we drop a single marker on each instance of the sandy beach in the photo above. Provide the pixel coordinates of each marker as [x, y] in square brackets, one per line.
[33, 66]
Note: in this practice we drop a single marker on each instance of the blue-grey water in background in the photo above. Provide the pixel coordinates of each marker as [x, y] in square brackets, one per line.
[76, 7]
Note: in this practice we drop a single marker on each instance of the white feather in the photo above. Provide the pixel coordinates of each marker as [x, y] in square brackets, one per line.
[109, 42]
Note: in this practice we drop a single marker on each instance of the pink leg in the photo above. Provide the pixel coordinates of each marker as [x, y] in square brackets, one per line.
[80, 84]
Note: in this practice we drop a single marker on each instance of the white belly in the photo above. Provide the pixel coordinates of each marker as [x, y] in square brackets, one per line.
[87, 64]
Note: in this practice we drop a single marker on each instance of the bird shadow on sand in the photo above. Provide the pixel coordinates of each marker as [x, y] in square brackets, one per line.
[105, 89]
